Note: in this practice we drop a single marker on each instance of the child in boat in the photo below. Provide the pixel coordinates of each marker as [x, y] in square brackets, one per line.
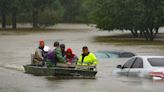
[70, 57]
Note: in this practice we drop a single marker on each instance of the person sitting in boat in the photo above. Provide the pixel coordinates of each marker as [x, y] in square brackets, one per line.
[87, 58]
[62, 46]
[46, 49]
[56, 56]
[50, 58]
[39, 56]
[70, 57]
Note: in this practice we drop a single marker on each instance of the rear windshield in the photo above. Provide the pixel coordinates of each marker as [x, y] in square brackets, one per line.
[156, 61]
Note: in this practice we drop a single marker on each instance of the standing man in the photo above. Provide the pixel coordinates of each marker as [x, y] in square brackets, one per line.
[87, 58]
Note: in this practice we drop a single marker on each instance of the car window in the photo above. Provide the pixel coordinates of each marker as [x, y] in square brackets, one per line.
[156, 61]
[129, 63]
[101, 55]
[138, 63]
[114, 52]
[112, 55]
[126, 54]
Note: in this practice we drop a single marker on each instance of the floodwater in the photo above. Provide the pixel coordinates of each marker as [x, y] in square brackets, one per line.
[15, 51]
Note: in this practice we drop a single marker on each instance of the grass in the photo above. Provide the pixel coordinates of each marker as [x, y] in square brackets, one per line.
[127, 39]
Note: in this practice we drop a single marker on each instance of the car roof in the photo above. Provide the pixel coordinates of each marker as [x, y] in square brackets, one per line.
[116, 51]
[150, 56]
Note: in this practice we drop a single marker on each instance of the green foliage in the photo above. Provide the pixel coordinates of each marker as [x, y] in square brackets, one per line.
[46, 12]
[71, 10]
[58, 8]
[49, 13]
[77, 11]
[4, 5]
[84, 11]
[24, 17]
[48, 17]
[145, 16]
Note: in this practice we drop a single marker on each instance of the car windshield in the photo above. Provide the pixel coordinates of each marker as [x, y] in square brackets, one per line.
[112, 54]
[101, 55]
[156, 62]
[104, 54]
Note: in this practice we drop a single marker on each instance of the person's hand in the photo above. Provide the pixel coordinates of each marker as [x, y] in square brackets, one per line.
[68, 63]
[65, 62]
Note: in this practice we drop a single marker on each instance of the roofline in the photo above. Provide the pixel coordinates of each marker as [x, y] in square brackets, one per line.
[148, 56]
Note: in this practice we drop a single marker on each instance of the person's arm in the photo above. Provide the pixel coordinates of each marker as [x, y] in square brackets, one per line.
[95, 61]
[75, 59]
[38, 55]
[59, 55]
[65, 58]
[79, 62]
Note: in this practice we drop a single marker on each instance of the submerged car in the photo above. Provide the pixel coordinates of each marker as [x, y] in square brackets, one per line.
[143, 66]
[113, 54]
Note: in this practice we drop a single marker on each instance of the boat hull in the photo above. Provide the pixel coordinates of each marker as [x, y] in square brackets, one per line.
[59, 71]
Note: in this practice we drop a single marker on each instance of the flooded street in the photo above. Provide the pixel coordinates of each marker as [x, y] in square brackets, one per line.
[15, 51]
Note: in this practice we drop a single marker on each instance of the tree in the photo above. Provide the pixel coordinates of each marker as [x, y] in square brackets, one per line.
[85, 11]
[51, 14]
[3, 11]
[143, 16]
[153, 17]
[39, 12]
[71, 10]
[37, 6]
[77, 11]
[15, 7]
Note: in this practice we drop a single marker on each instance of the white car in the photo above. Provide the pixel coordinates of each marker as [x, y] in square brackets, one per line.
[143, 66]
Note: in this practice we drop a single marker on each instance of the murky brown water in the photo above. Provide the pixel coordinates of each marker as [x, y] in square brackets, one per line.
[15, 51]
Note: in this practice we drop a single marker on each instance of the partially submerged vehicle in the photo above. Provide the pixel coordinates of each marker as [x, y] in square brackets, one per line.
[143, 66]
[114, 54]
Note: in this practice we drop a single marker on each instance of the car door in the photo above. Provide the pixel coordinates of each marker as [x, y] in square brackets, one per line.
[137, 68]
[126, 67]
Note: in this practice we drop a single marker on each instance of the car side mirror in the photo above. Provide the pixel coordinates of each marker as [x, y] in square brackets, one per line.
[119, 66]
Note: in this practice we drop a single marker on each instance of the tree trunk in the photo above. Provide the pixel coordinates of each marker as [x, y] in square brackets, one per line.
[35, 18]
[146, 35]
[150, 34]
[3, 20]
[134, 33]
[14, 25]
[141, 34]
[154, 33]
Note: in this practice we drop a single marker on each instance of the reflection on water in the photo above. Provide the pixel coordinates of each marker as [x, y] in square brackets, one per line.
[15, 51]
